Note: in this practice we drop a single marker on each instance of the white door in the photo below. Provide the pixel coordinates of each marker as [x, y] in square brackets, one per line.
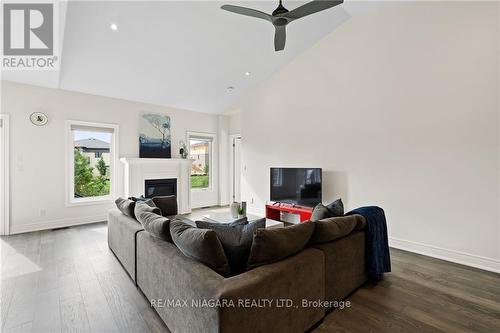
[236, 169]
[4, 174]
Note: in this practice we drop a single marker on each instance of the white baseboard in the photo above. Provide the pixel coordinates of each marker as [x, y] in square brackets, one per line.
[53, 224]
[485, 263]
[488, 264]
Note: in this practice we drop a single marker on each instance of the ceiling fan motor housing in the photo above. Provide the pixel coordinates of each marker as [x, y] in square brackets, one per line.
[280, 22]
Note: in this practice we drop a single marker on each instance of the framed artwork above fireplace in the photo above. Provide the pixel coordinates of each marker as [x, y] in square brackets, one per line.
[154, 137]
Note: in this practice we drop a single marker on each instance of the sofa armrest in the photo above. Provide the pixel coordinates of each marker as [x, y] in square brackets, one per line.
[270, 298]
[121, 239]
[176, 285]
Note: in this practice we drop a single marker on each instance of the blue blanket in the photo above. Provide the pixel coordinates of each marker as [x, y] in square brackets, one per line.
[378, 260]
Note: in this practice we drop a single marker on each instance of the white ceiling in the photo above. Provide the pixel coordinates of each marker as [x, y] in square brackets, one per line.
[182, 54]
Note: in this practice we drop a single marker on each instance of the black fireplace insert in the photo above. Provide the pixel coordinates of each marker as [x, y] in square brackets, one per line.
[160, 187]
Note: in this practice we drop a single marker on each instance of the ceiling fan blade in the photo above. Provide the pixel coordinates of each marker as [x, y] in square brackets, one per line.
[279, 37]
[247, 12]
[311, 8]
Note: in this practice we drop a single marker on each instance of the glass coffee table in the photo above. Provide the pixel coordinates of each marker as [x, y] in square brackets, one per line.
[225, 217]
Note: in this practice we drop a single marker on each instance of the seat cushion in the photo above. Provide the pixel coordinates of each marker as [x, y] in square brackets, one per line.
[200, 244]
[333, 228]
[167, 204]
[156, 225]
[271, 245]
[125, 206]
[236, 240]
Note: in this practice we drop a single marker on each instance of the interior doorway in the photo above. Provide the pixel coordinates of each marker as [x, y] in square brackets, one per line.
[4, 175]
[235, 168]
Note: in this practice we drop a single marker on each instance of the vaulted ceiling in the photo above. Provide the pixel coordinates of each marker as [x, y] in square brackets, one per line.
[182, 54]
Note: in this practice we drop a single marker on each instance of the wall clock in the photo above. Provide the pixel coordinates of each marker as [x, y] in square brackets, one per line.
[39, 118]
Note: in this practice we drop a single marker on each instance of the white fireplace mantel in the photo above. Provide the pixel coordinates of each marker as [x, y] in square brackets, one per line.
[138, 170]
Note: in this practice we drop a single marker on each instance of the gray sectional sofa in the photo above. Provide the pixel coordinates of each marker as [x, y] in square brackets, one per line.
[191, 297]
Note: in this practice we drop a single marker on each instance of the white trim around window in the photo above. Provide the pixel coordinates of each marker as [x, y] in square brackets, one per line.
[113, 162]
[212, 157]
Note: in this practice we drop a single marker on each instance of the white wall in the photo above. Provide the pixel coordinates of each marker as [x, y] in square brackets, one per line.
[235, 123]
[38, 153]
[399, 106]
[224, 161]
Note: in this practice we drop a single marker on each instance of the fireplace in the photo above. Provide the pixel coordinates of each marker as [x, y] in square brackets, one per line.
[140, 173]
[159, 187]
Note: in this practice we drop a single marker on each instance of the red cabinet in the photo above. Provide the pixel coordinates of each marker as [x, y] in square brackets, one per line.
[273, 211]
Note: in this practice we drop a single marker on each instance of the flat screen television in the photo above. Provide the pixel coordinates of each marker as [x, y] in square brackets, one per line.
[298, 186]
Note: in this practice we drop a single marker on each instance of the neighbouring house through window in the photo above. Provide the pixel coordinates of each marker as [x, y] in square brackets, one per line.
[201, 151]
[91, 162]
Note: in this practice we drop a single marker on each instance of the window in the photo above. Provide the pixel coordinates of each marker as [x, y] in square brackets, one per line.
[201, 151]
[91, 159]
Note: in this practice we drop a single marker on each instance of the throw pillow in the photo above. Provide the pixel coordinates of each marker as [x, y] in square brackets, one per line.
[144, 207]
[336, 208]
[236, 240]
[155, 224]
[208, 225]
[167, 204]
[143, 199]
[333, 228]
[320, 212]
[271, 245]
[200, 244]
[126, 206]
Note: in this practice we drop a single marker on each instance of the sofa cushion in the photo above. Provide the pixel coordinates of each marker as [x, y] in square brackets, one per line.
[209, 225]
[271, 245]
[143, 199]
[156, 225]
[236, 240]
[167, 204]
[141, 207]
[320, 212]
[200, 244]
[333, 228]
[336, 208]
[125, 206]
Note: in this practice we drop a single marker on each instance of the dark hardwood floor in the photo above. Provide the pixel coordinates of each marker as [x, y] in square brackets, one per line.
[67, 280]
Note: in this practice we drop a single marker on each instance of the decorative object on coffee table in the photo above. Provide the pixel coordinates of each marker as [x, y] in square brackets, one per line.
[243, 209]
[238, 210]
[154, 137]
[234, 209]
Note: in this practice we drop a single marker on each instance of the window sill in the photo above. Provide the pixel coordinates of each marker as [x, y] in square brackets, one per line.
[90, 201]
[206, 189]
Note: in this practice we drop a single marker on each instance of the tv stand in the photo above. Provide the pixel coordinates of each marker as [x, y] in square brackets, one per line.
[273, 211]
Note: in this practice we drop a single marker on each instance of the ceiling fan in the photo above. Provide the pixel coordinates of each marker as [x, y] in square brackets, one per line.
[281, 16]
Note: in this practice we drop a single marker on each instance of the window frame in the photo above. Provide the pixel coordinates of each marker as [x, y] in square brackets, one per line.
[211, 157]
[71, 201]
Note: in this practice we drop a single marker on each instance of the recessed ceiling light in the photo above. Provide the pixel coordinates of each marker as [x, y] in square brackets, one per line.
[247, 73]
[113, 27]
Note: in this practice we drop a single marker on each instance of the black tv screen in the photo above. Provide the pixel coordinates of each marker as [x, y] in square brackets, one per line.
[299, 186]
